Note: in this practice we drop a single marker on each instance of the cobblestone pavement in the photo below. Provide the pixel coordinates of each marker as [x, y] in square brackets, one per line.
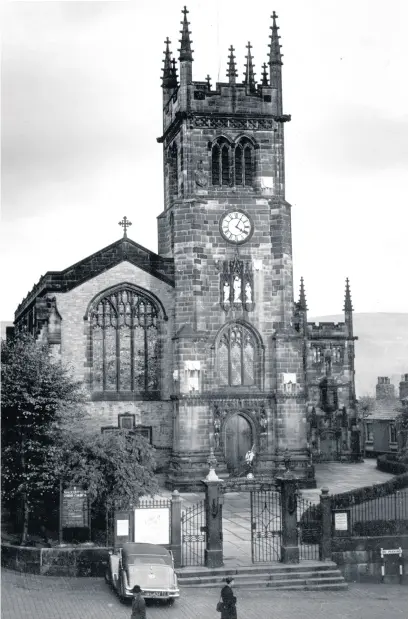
[25, 596]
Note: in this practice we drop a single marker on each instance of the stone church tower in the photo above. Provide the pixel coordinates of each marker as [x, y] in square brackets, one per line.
[201, 347]
[238, 361]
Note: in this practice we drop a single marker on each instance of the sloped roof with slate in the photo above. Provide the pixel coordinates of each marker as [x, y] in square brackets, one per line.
[102, 260]
[383, 411]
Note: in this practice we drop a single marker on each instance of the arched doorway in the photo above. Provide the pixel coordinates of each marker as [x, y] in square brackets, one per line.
[238, 440]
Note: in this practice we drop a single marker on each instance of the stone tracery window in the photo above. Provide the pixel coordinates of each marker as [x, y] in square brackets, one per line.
[236, 355]
[124, 343]
[232, 164]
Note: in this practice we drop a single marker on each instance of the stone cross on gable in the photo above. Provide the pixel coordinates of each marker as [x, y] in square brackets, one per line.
[125, 223]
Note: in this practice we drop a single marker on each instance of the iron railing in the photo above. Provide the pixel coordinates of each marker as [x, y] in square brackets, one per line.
[383, 515]
[309, 530]
[193, 534]
[266, 526]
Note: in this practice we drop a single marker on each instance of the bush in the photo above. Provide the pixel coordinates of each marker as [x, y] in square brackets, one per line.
[374, 528]
[388, 464]
[368, 493]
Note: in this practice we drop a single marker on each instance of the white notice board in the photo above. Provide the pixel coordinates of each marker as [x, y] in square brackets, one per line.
[122, 528]
[152, 525]
[341, 521]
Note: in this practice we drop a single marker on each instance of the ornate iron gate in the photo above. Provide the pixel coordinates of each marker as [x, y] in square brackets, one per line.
[193, 534]
[266, 526]
[309, 529]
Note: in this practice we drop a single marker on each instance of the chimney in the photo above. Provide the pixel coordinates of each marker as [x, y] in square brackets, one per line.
[403, 387]
[384, 390]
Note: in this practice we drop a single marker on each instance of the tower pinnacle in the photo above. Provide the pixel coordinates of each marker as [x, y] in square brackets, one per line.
[302, 296]
[264, 75]
[249, 70]
[348, 307]
[169, 79]
[275, 56]
[231, 71]
[186, 53]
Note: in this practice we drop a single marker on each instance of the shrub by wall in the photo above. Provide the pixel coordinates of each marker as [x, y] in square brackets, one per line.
[389, 464]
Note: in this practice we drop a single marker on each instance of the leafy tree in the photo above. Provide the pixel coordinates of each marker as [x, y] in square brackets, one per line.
[113, 467]
[365, 405]
[39, 397]
[402, 425]
[46, 439]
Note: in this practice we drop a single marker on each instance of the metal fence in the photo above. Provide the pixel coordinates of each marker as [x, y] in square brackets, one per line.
[266, 526]
[384, 515]
[193, 534]
[309, 529]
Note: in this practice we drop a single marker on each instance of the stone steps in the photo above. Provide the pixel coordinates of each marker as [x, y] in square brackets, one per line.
[313, 576]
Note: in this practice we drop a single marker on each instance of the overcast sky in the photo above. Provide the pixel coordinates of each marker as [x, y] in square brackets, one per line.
[81, 111]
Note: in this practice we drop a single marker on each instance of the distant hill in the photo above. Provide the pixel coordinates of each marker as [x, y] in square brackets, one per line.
[381, 348]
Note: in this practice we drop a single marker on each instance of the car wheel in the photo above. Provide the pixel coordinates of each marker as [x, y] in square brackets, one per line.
[107, 577]
[171, 601]
[121, 592]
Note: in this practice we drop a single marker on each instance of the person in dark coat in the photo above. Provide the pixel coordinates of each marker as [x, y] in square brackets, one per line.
[229, 601]
[138, 604]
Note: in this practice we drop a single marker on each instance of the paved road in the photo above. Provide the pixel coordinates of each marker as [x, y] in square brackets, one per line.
[40, 597]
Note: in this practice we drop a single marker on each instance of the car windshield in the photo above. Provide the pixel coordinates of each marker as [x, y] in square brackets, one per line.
[148, 560]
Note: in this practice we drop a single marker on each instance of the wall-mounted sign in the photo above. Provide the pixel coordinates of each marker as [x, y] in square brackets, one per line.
[341, 521]
[122, 528]
[152, 525]
[75, 508]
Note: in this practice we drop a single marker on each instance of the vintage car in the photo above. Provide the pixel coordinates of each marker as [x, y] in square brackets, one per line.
[147, 565]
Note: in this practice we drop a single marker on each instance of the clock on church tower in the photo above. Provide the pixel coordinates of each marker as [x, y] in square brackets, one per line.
[236, 226]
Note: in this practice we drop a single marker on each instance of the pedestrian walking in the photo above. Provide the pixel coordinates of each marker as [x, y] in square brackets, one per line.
[138, 604]
[229, 601]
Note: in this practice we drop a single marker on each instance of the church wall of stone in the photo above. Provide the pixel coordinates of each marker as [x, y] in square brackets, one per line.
[72, 307]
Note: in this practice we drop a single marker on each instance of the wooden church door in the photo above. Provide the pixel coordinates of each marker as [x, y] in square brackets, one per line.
[238, 440]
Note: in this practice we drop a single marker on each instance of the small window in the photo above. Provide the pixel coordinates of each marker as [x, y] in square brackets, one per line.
[369, 432]
[145, 431]
[317, 354]
[126, 422]
[393, 433]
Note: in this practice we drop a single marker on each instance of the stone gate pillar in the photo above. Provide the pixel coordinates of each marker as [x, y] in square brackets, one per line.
[289, 544]
[326, 532]
[175, 540]
[213, 553]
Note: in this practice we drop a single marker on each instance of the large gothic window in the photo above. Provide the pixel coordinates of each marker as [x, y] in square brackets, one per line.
[236, 357]
[124, 343]
[232, 164]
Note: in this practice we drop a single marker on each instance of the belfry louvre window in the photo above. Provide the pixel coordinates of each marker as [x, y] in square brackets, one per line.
[232, 164]
[124, 343]
[236, 357]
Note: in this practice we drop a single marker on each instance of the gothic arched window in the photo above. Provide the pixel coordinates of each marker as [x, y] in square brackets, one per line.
[236, 357]
[220, 162]
[173, 158]
[124, 343]
[232, 165]
[244, 163]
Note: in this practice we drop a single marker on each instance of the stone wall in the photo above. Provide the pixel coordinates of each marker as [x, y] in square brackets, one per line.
[71, 561]
[359, 558]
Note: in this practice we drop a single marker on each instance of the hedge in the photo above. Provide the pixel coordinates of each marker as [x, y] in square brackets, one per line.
[389, 464]
[368, 493]
[374, 528]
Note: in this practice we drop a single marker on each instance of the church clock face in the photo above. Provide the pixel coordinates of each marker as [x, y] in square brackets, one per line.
[236, 227]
